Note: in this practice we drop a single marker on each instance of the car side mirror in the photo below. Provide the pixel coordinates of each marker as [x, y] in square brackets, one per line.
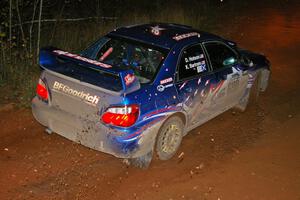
[246, 61]
[229, 61]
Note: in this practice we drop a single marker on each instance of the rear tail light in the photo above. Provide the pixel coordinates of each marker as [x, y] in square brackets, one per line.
[41, 90]
[124, 116]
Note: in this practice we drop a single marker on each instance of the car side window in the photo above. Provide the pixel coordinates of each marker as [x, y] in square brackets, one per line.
[220, 55]
[192, 62]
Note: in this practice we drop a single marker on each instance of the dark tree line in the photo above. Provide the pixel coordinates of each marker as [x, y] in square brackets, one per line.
[26, 25]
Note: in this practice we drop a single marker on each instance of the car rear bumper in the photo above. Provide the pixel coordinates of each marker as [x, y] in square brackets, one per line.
[94, 135]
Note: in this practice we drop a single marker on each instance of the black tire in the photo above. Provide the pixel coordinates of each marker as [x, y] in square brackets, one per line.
[169, 138]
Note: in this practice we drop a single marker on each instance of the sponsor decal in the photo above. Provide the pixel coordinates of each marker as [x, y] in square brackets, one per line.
[194, 58]
[207, 82]
[195, 93]
[160, 112]
[199, 81]
[182, 85]
[216, 88]
[161, 88]
[60, 87]
[167, 80]
[203, 93]
[75, 56]
[158, 115]
[187, 35]
[201, 67]
[107, 53]
[187, 98]
[195, 62]
[196, 65]
[129, 78]
[143, 128]
[156, 30]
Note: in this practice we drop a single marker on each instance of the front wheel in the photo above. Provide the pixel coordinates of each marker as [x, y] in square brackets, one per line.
[169, 138]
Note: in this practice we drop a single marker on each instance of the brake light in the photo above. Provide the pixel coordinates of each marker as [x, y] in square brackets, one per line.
[41, 90]
[124, 116]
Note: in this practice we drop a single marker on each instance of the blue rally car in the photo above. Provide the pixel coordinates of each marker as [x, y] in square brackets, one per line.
[138, 90]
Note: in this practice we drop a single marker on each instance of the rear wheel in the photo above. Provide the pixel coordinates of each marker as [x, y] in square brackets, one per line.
[169, 138]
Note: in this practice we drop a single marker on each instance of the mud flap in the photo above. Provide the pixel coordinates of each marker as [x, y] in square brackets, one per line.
[130, 82]
[142, 162]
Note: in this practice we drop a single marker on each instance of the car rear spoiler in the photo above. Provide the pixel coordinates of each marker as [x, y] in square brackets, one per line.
[50, 57]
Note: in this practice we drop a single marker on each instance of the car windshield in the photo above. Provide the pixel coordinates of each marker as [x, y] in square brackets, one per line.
[143, 59]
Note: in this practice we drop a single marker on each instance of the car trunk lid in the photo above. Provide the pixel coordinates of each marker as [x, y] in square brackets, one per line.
[82, 86]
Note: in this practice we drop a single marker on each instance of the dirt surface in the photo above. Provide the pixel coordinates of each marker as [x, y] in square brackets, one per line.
[250, 155]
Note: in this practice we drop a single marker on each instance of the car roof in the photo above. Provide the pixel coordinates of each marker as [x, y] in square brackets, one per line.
[164, 35]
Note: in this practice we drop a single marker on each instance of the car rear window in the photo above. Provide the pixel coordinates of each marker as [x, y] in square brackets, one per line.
[143, 59]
